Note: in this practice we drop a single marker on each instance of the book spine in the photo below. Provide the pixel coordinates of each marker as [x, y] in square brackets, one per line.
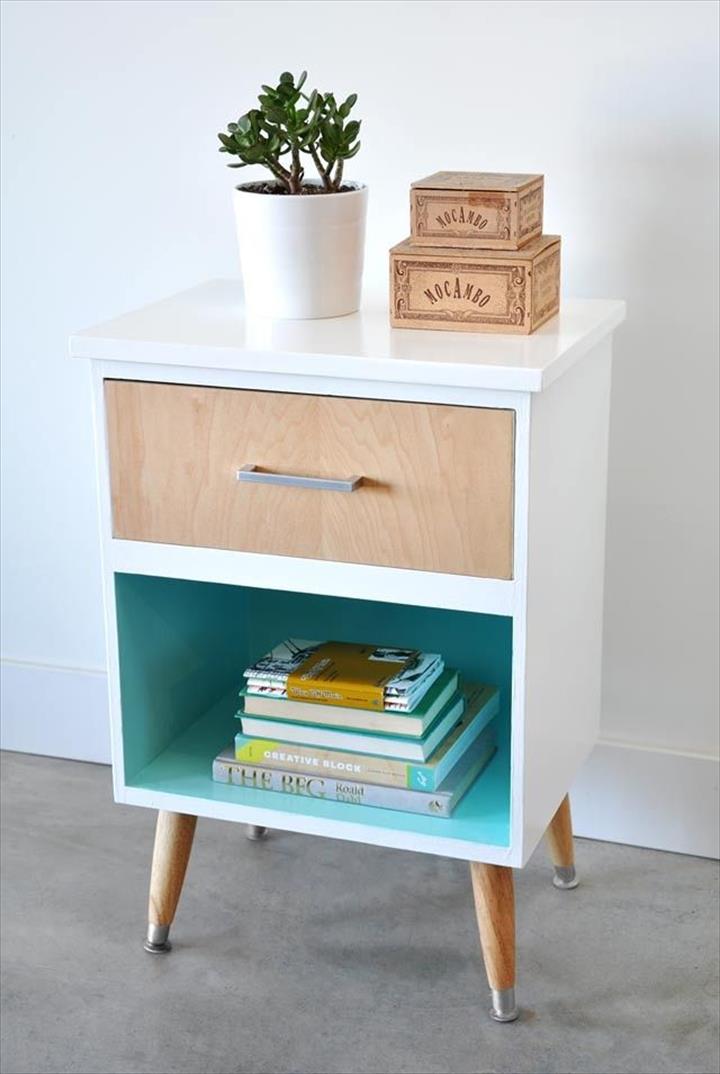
[311, 760]
[334, 738]
[345, 719]
[326, 788]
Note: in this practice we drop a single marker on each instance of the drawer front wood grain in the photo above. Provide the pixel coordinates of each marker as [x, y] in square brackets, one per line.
[437, 487]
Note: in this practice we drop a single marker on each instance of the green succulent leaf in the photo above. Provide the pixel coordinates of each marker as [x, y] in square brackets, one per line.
[288, 120]
[276, 115]
[347, 105]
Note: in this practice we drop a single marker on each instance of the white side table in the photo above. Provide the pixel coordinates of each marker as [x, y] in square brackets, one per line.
[478, 532]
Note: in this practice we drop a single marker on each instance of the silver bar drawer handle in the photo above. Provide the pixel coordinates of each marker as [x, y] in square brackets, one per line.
[251, 474]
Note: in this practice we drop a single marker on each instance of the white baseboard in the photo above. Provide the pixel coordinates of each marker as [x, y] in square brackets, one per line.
[56, 711]
[649, 797]
[639, 795]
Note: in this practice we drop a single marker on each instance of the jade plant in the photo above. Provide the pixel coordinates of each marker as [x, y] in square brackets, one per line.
[290, 125]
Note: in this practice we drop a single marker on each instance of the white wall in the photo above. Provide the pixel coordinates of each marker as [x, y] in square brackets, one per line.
[114, 194]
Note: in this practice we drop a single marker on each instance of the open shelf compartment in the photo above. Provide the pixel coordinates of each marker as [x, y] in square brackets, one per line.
[183, 646]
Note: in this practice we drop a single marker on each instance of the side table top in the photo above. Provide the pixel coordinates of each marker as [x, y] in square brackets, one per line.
[205, 327]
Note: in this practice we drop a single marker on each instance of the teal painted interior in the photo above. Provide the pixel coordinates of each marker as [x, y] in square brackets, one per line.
[184, 645]
[180, 645]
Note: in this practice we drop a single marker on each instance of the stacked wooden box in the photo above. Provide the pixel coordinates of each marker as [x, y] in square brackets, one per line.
[476, 259]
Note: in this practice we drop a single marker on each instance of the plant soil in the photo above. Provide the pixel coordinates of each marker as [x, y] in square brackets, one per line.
[277, 188]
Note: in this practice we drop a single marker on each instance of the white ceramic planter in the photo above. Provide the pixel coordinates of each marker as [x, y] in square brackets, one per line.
[301, 255]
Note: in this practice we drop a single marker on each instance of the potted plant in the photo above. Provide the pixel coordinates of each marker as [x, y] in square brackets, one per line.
[301, 239]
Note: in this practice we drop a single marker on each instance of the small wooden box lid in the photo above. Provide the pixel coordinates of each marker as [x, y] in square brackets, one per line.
[528, 253]
[502, 182]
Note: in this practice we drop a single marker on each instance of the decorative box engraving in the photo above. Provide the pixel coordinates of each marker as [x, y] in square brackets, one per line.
[530, 209]
[546, 298]
[467, 290]
[461, 216]
[476, 210]
[484, 294]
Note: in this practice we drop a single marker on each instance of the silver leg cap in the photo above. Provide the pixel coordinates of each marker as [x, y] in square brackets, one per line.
[503, 1005]
[255, 832]
[565, 878]
[156, 941]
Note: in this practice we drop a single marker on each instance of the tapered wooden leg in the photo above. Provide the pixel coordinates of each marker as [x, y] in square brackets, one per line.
[173, 842]
[495, 908]
[559, 838]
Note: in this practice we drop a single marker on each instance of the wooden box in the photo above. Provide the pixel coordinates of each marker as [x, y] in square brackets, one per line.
[475, 290]
[487, 210]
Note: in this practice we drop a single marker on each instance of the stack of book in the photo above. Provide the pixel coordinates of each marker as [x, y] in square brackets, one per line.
[370, 725]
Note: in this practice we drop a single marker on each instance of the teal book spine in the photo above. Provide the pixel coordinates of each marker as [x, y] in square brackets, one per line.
[481, 704]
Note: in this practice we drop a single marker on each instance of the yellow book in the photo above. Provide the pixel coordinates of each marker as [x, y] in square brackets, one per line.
[344, 674]
[341, 673]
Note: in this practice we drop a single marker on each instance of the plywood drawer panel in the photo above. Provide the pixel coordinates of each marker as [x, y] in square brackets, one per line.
[436, 492]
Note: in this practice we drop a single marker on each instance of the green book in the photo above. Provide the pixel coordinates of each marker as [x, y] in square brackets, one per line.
[406, 747]
[481, 704]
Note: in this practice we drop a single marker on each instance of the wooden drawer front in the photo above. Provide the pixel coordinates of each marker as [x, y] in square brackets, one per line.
[436, 494]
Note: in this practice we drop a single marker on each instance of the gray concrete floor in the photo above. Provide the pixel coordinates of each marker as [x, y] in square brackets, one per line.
[308, 955]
